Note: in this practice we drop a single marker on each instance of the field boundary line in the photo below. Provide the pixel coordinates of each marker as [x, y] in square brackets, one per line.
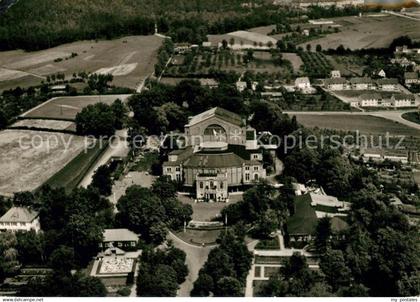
[37, 107]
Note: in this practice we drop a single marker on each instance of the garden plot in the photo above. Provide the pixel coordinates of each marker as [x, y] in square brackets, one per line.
[45, 124]
[30, 158]
[66, 108]
[116, 265]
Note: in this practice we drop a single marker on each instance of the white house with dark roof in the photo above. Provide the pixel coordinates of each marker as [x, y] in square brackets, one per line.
[388, 84]
[221, 154]
[362, 83]
[336, 84]
[20, 219]
[121, 238]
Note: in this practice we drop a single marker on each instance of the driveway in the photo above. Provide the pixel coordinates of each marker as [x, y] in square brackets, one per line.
[117, 148]
[196, 257]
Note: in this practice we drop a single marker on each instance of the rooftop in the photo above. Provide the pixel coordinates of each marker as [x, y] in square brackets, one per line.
[411, 75]
[111, 235]
[365, 80]
[304, 220]
[19, 214]
[335, 81]
[216, 112]
[387, 81]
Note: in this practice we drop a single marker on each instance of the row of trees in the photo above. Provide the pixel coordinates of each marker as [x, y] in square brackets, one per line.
[101, 119]
[161, 271]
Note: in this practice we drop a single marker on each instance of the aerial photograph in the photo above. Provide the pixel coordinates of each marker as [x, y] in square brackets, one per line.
[210, 149]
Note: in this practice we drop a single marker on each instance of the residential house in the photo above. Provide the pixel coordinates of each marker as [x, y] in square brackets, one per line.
[121, 238]
[304, 85]
[241, 86]
[388, 84]
[335, 74]
[382, 73]
[336, 84]
[20, 219]
[370, 100]
[362, 83]
[411, 78]
[401, 100]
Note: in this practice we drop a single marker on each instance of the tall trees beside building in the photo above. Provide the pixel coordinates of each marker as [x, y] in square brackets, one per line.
[161, 271]
[100, 119]
[151, 212]
[224, 273]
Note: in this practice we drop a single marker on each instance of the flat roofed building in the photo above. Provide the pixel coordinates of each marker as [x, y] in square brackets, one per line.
[20, 219]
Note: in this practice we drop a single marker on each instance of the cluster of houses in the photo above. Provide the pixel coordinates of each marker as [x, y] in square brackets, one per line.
[377, 100]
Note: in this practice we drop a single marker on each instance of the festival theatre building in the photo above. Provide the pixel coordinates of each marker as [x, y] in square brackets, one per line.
[221, 155]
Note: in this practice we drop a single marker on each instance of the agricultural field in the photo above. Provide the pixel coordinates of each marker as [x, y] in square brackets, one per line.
[363, 123]
[294, 59]
[66, 108]
[370, 31]
[315, 64]
[349, 65]
[30, 158]
[200, 64]
[129, 59]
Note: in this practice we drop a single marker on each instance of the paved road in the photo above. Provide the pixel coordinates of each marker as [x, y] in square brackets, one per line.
[389, 115]
[119, 147]
[196, 257]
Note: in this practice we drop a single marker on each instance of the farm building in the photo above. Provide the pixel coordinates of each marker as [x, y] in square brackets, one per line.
[221, 155]
[20, 219]
[121, 238]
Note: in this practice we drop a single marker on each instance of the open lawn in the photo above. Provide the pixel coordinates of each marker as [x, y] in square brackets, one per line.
[368, 32]
[199, 237]
[66, 108]
[71, 175]
[129, 59]
[29, 158]
[363, 123]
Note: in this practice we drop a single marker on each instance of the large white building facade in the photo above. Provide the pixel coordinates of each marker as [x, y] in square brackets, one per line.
[20, 219]
[220, 155]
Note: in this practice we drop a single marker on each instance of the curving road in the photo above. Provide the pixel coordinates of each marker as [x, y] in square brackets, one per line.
[196, 257]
